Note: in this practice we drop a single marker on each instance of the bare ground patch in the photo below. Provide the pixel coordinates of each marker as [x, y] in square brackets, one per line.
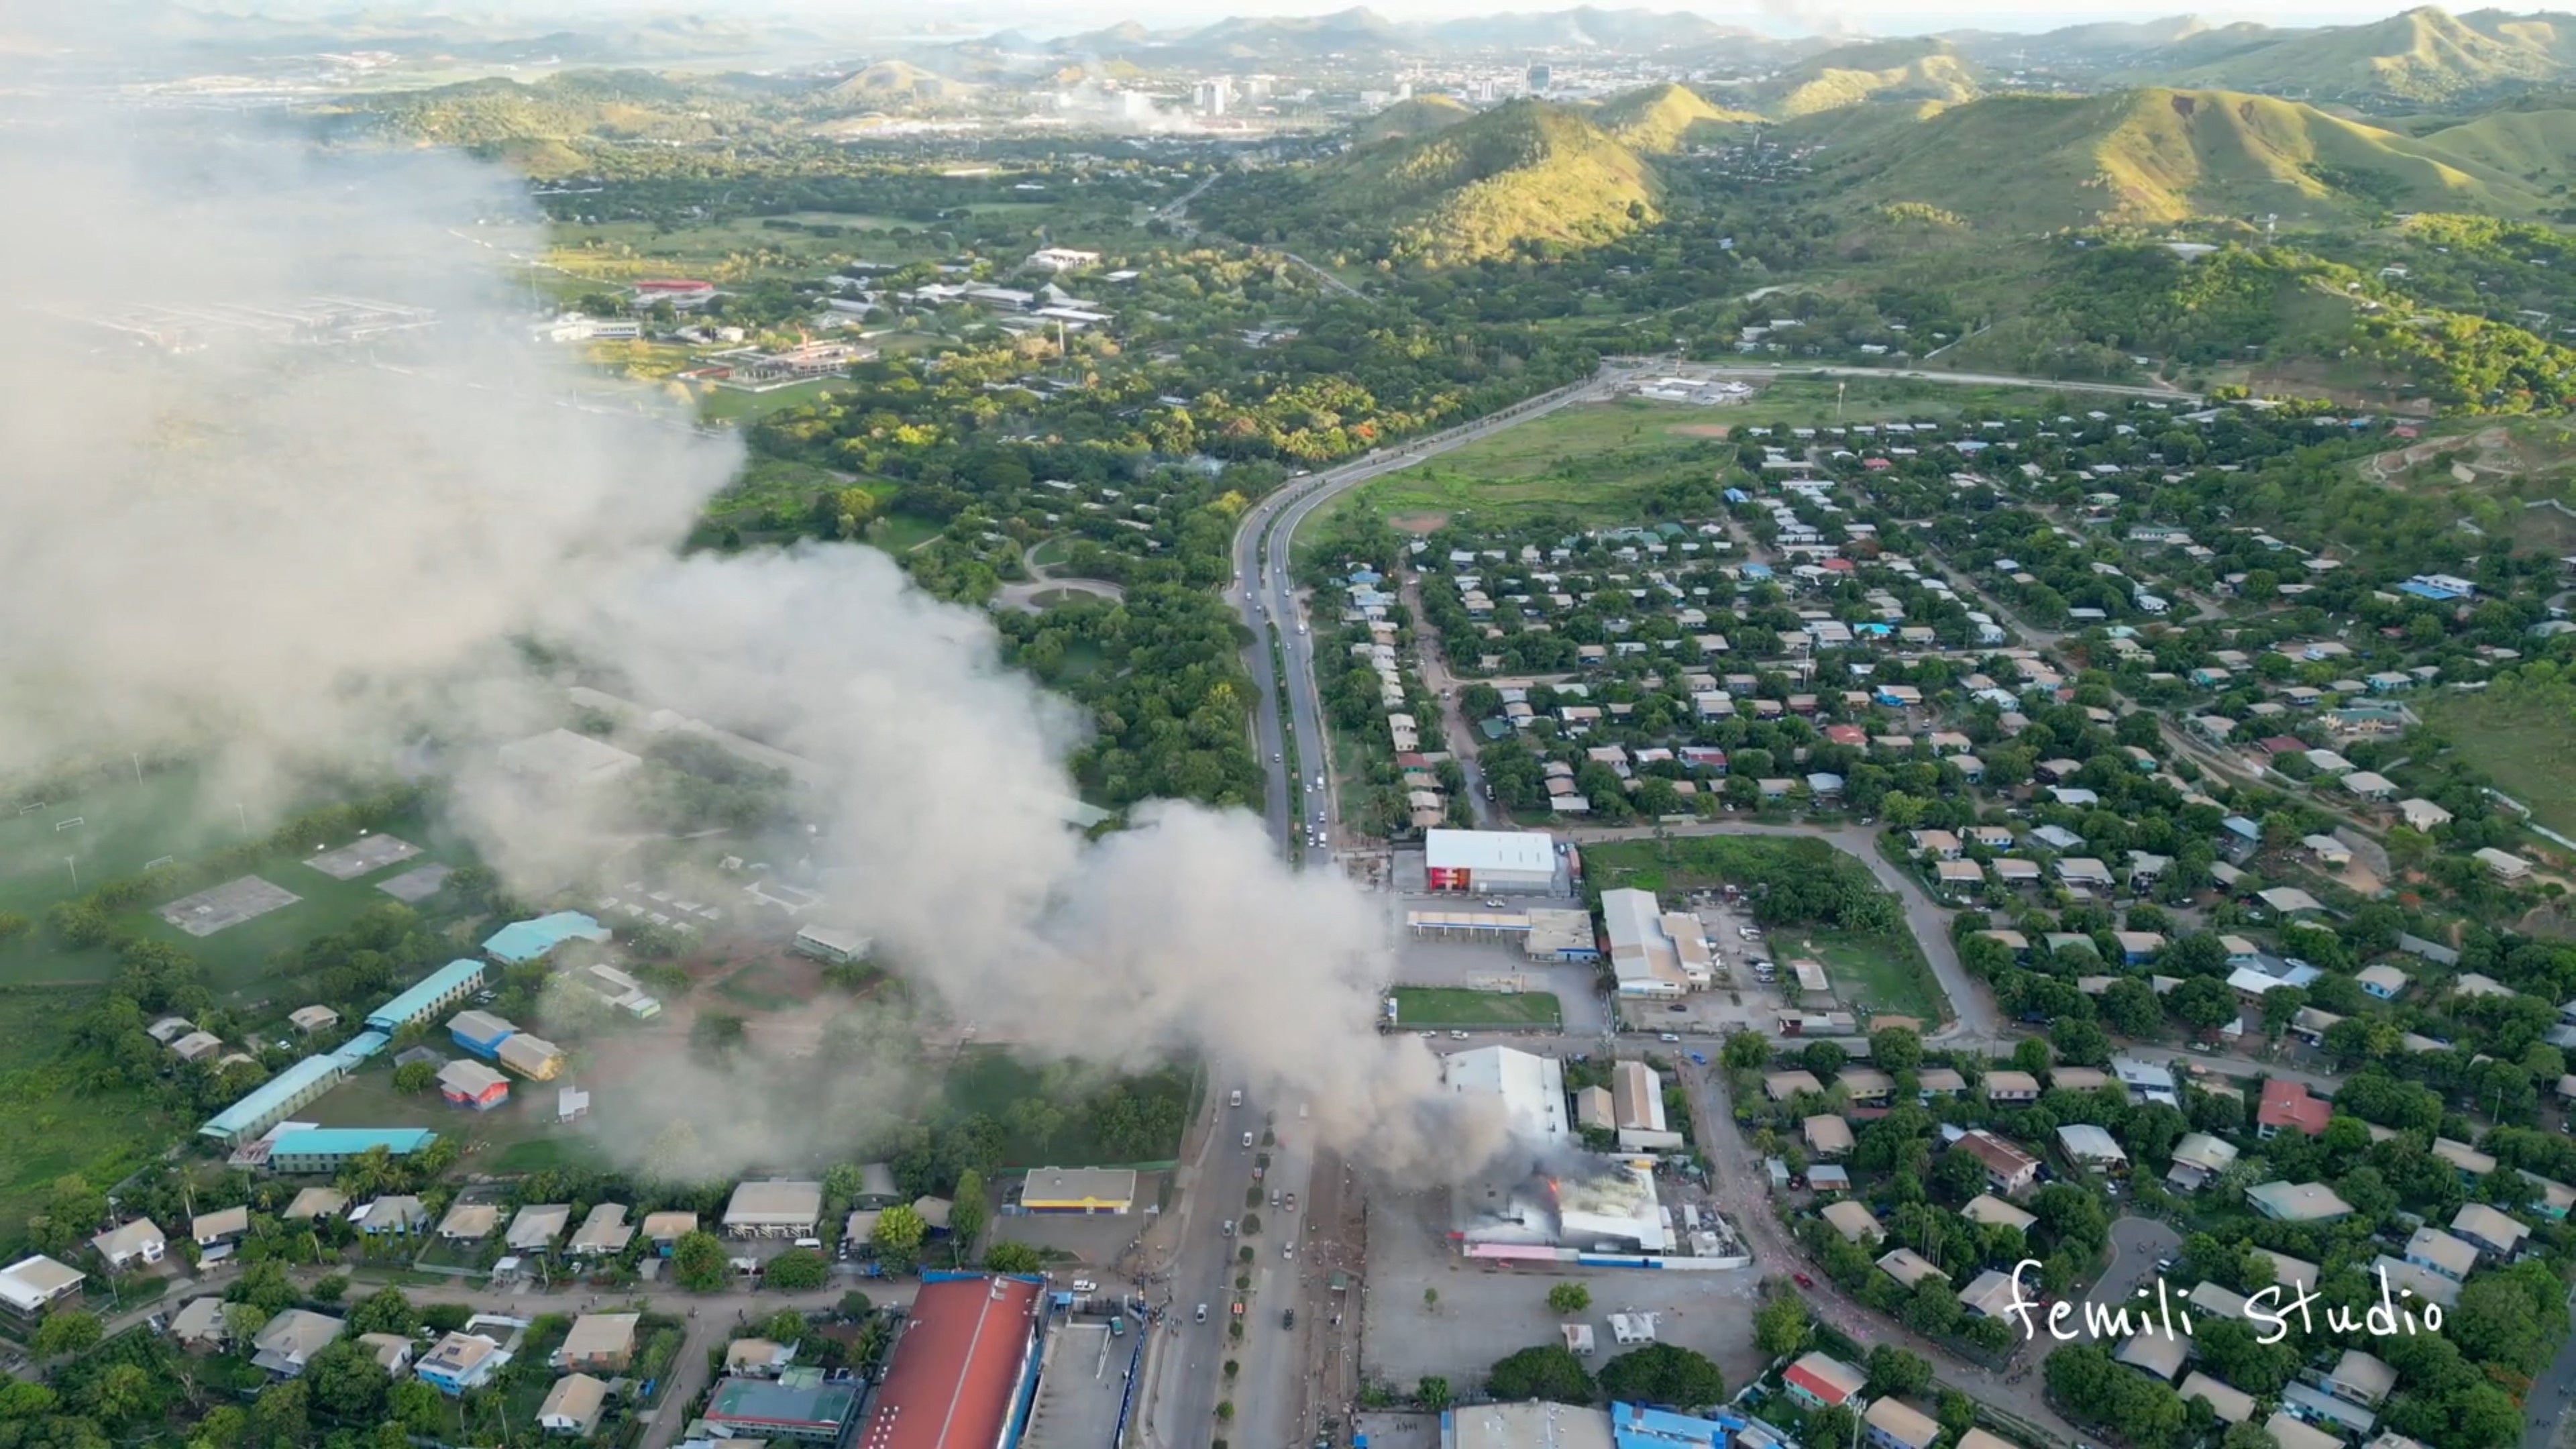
[1419, 523]
[1699, 430]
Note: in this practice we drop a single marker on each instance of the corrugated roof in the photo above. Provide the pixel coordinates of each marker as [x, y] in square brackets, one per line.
[312, 1140]
[951, 1379]
[527, 940]
[263, 1102]
[425, 993]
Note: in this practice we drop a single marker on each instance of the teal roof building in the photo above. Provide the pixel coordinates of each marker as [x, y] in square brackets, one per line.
[443, 987]
[520, 942]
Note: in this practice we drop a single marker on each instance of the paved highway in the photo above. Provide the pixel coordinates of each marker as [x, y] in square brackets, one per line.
[1274, 609]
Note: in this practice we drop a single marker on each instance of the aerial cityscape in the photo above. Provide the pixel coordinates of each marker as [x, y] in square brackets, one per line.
[1588, 729]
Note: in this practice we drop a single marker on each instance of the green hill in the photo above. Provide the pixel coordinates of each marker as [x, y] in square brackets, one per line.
[2423, 55]
[1523, 172]
[893, 81]
[1662, 119]
[1918, 69]
[2539, 147]
[1419, 116]
[2156, 156]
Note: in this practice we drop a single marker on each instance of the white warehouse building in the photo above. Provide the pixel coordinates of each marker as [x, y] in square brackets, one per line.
[1489, 860]
[1655, 952]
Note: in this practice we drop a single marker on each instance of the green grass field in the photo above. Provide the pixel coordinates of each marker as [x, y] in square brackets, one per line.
[1867, 974]
[56, 1125]
[732, 405]
[903, 532]
[759, 987]
[1422, 1007]
[1053, 552]
[1597, 459]
[2530, 752]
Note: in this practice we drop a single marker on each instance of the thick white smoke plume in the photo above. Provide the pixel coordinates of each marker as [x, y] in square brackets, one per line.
[236, 519]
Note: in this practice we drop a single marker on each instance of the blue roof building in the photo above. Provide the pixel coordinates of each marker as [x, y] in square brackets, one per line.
[328, 1149]
[1635, 1426]
[523, 941]
[444, 987]
[354, 1052]
[269, 1102]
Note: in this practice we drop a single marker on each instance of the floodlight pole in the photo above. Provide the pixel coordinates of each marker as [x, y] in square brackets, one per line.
[243, 816]
[74, 863]
[137, 757]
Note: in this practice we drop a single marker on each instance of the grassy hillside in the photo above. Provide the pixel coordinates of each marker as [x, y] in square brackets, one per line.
[1419, 116]
[898, 81]
[1917, 69]
[2539, 146]
[1521, 173]
[2156, 156]
[2424, 55]
[1662, 119]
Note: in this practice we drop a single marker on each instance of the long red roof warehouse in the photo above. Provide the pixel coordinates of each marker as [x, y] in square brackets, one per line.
[950, 1384]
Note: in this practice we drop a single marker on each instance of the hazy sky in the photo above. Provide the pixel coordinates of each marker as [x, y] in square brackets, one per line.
[1878, 16]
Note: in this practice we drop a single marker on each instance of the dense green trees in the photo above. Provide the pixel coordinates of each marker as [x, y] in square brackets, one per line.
[1548, 1372]
[1665, 1374]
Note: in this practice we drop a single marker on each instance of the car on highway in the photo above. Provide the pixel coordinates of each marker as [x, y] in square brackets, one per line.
[1274, 1197]
[1202, 1313]
[1301, 626]
[1666, 1036]
[1493, 903]
[1228, 1229]
[1287, 1250]
[1247, 1142]
[1292, 1202]
[1085, 1285]
[1457, 1036]
[1677, 1006]
[1288, 1318]
[1803, 1280]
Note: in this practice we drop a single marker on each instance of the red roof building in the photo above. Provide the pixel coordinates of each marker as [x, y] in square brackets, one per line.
[1846, 734]
[2287, 1104]
[2282, 745]
[961, 1368]
[1820, 1381]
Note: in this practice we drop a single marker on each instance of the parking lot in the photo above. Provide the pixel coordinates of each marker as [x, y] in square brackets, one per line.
[1095, 1241]
[1480, 964]
[1483, 1314]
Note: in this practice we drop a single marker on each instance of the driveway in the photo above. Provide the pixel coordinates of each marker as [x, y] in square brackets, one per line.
[2136, 1245]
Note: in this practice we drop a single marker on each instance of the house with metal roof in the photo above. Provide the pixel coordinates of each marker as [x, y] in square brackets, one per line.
[1892, 1423]
[287, 1342]
[573, 1406]
[537, 1225]
[30, 1285]
[2232, 1405]
[776, 1208]
[1821, 1381]
[604, 1232]
[2298, 1202]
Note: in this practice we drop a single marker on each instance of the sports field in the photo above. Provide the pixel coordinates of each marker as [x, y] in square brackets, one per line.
[1445, 1007]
